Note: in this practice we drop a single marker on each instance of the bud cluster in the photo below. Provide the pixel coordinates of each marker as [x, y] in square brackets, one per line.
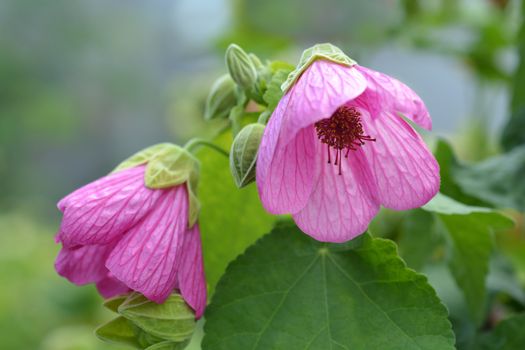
[146, 325]
[246, 96]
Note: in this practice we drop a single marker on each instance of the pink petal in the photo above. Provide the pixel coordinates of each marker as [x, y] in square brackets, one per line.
[341, 206]
[322, 88]
[406, 173]
[109, 287]
[147, 258]
[285, 180]
[83, 265]
[285, 162]
[192, 282]
[385, 93]
[103, 210]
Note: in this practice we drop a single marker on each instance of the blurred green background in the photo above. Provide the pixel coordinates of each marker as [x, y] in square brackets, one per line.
[84, 84]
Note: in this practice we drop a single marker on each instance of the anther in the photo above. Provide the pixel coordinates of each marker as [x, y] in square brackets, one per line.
[343, 130]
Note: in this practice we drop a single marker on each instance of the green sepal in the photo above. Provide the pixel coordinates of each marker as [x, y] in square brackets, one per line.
[172, 166]
[243, 155]
[169, 345]
[256, 61]
[142, 157]
[241, 67]
[169, 165]
[172, 320]
[273, 93]
[221, 99]
[120, 331]
[113, 303]
[324, 51]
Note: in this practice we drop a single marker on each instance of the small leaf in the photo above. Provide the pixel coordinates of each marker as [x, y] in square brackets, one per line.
[243, 154]
[325, 51]
[291, 292]
[508, 335]
[273, 93]
[120, 331]
[173, 320]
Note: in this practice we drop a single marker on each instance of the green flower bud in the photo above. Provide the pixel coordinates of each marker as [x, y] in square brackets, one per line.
[221, 98]
[256, 61]
[144, 324]
[243, 155]
[172, 320]
[118, 331]
[241, 67]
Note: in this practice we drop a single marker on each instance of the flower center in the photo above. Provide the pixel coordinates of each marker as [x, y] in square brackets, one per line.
[342, 131]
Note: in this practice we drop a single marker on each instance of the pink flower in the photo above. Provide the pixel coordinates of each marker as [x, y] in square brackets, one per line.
[336, 148]
[123, 236]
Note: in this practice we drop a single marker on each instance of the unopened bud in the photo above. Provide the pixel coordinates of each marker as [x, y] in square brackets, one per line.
[172, 320]
[241, 67]
[144, 324]
[221, 98]
[243, 155]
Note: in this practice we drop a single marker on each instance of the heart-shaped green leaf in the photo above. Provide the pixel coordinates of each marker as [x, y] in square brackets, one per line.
[291, 292]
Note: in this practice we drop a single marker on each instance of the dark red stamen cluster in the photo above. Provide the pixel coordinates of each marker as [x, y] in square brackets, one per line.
[343, 130]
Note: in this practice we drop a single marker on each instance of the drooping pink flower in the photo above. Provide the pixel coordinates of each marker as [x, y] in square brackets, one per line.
[336, 148]
[122, 236]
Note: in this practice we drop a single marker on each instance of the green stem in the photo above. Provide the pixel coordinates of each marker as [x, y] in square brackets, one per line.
[195, 143]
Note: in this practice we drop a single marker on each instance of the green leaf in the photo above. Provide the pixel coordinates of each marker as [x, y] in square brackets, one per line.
[497, 180]
[508, 335]
[324, 51]
[119, 331]
[230, 219]
[291, 292]
[273, 93]
[419, 238]
[172, 320]
[442, 204]
[244, 152]
[469, 231]
[502, 279]
[513, 134]
[448, 165]
[440, 277]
